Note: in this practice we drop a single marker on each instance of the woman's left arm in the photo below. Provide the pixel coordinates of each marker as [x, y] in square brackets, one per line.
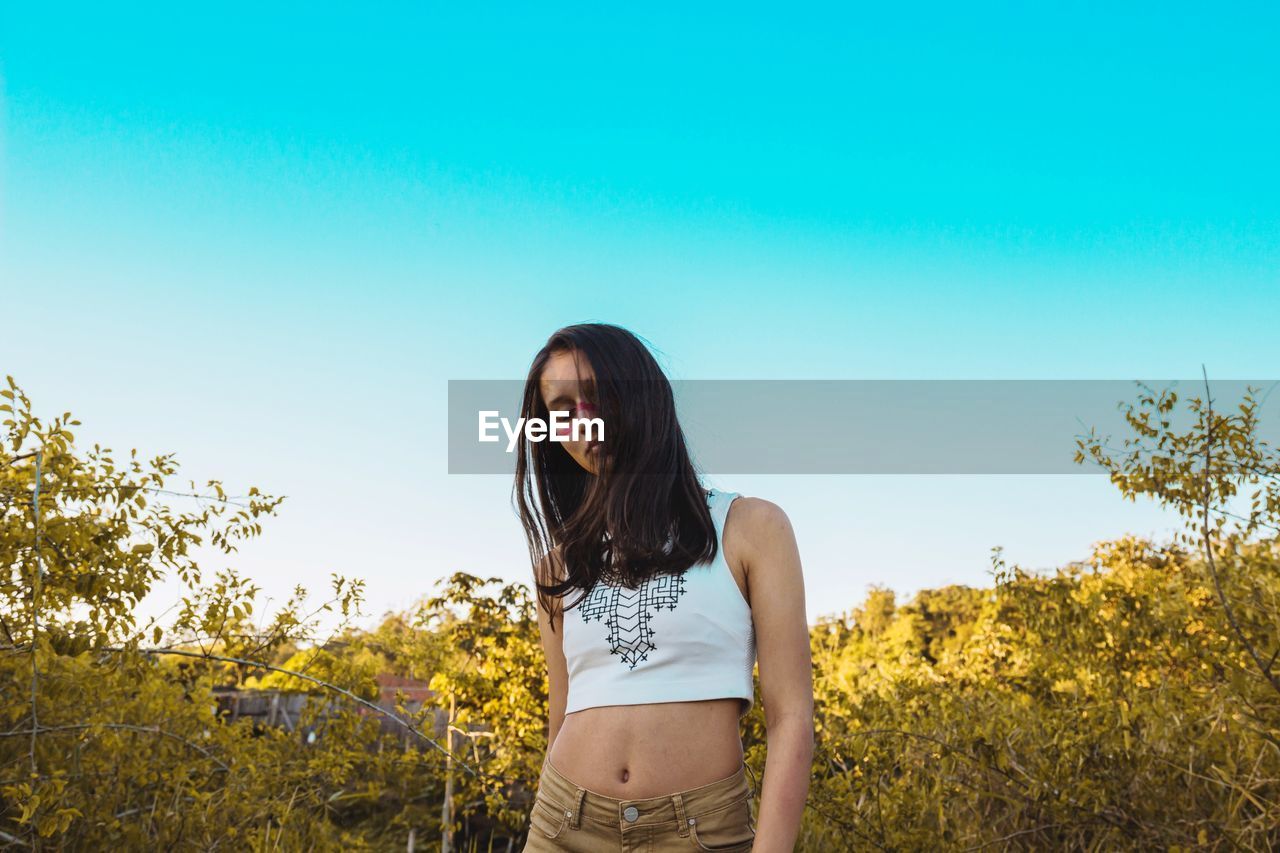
[776, 585]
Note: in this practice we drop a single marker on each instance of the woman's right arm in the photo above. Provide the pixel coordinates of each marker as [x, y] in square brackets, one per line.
[557, 670]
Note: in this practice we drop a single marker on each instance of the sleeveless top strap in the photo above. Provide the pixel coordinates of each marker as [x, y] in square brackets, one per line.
[720, 502]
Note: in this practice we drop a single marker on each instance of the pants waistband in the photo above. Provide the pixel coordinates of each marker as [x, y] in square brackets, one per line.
[579, 802]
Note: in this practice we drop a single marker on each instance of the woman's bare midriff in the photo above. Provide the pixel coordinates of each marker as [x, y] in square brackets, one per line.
[637, 751]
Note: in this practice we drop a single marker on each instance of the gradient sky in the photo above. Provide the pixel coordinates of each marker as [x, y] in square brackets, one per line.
[263, 237]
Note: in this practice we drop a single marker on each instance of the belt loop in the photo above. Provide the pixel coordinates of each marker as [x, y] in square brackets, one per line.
[575, 821]
[755, 783]
[682, 822]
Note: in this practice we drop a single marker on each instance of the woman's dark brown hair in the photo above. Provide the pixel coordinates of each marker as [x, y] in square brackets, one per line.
[643, 512]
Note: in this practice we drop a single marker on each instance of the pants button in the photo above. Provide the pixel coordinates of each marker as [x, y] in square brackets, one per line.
[631, 813]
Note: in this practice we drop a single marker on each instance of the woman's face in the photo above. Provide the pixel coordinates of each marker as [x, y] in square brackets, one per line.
[567, 384]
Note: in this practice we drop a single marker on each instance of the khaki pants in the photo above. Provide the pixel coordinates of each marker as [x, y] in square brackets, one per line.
[568, 817]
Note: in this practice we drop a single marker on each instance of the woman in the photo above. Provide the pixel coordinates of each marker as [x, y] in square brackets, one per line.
[655, 598]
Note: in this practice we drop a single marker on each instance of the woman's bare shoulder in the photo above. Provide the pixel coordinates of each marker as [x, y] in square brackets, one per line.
[751, 511]
[551, 567]
[757, 525]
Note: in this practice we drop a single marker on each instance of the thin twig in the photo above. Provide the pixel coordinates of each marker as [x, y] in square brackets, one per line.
[1208, 548]
[123, 727]
[35, 618]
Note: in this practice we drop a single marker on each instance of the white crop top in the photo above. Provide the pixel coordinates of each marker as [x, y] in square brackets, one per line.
[677, 638]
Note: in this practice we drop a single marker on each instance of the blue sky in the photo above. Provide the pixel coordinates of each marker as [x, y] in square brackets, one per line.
[265, 238]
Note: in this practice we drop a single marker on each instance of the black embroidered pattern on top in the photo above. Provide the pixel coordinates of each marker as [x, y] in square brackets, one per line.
[627, 613]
